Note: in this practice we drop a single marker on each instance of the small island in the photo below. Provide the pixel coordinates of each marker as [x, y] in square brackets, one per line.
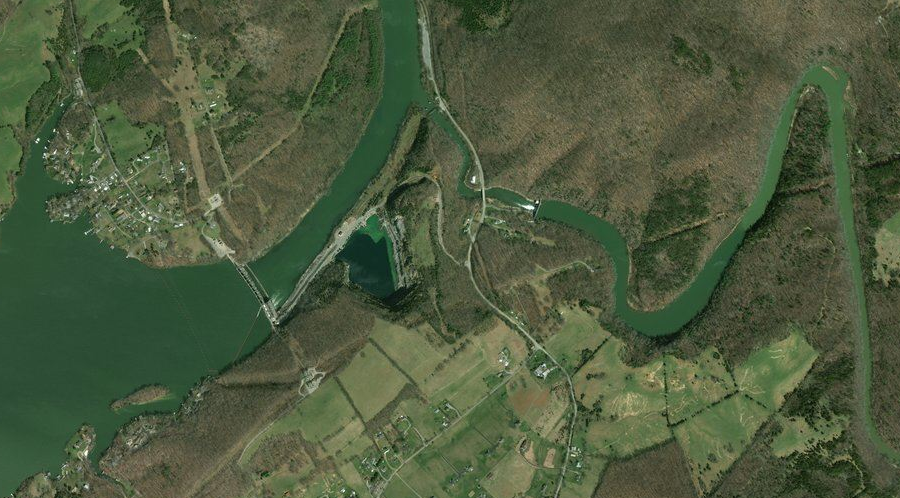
[142, 396]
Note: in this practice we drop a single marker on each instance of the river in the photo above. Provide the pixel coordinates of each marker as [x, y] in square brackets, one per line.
[82, 325]
[280, 269]
[403, 85]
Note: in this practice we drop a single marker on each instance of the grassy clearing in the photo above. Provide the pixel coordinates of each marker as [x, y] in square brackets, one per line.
[887, 248]
[348, 434]
[799, 436]
[772, 372]
[126, 140]
[323, 413]
[528, 398]
[372, 381]
[511, 477]
[110, 23]
[463, 379]
[627, 405]
[579, 336]
[715, 438]
[693, 385]
[409, 348]
[22, 68]
[22, 72]
[10, 155]
[420, 244]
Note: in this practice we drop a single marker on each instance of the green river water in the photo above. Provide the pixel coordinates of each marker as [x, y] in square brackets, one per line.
[282, 266]
[81, 325]
[671, 318]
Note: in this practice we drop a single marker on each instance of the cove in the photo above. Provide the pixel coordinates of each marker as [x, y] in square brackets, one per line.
[82, 325]
[281, 268]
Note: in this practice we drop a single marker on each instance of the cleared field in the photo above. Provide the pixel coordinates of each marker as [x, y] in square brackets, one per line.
[528, 398]
[887, 248]
[10, 155]
[22, 67]
[111, 21]
[409, 348]
[629, 403]
[126, 140]
[511, 477]
[692, 385]
[372, 381]
[716, 437]
[462, 378]
[772, 372]
[324, 413]
[799, 436]
[22, 72]
[580, 335]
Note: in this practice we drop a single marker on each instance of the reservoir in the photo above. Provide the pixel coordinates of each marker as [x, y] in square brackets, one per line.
[81, 325]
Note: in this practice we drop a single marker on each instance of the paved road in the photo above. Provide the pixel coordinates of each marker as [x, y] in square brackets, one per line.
[341, 236]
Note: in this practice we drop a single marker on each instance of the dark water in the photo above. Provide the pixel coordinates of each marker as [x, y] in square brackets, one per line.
[370, 264]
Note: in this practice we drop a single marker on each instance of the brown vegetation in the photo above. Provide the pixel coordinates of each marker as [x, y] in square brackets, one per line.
[602, 105]
[661, 473]
[141, 396]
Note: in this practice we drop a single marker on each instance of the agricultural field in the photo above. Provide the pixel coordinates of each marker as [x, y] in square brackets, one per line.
[770, 373]
[713, 439]
[694, 385]
[118, 26]
[627, 405]
[26, 31]
[578, 338]
[799, 436]
[711, 411]
[371, 381]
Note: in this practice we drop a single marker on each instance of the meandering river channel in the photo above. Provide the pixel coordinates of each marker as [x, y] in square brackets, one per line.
[81, 325]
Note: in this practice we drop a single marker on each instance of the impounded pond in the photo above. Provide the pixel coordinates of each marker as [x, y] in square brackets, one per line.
[368, 253]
